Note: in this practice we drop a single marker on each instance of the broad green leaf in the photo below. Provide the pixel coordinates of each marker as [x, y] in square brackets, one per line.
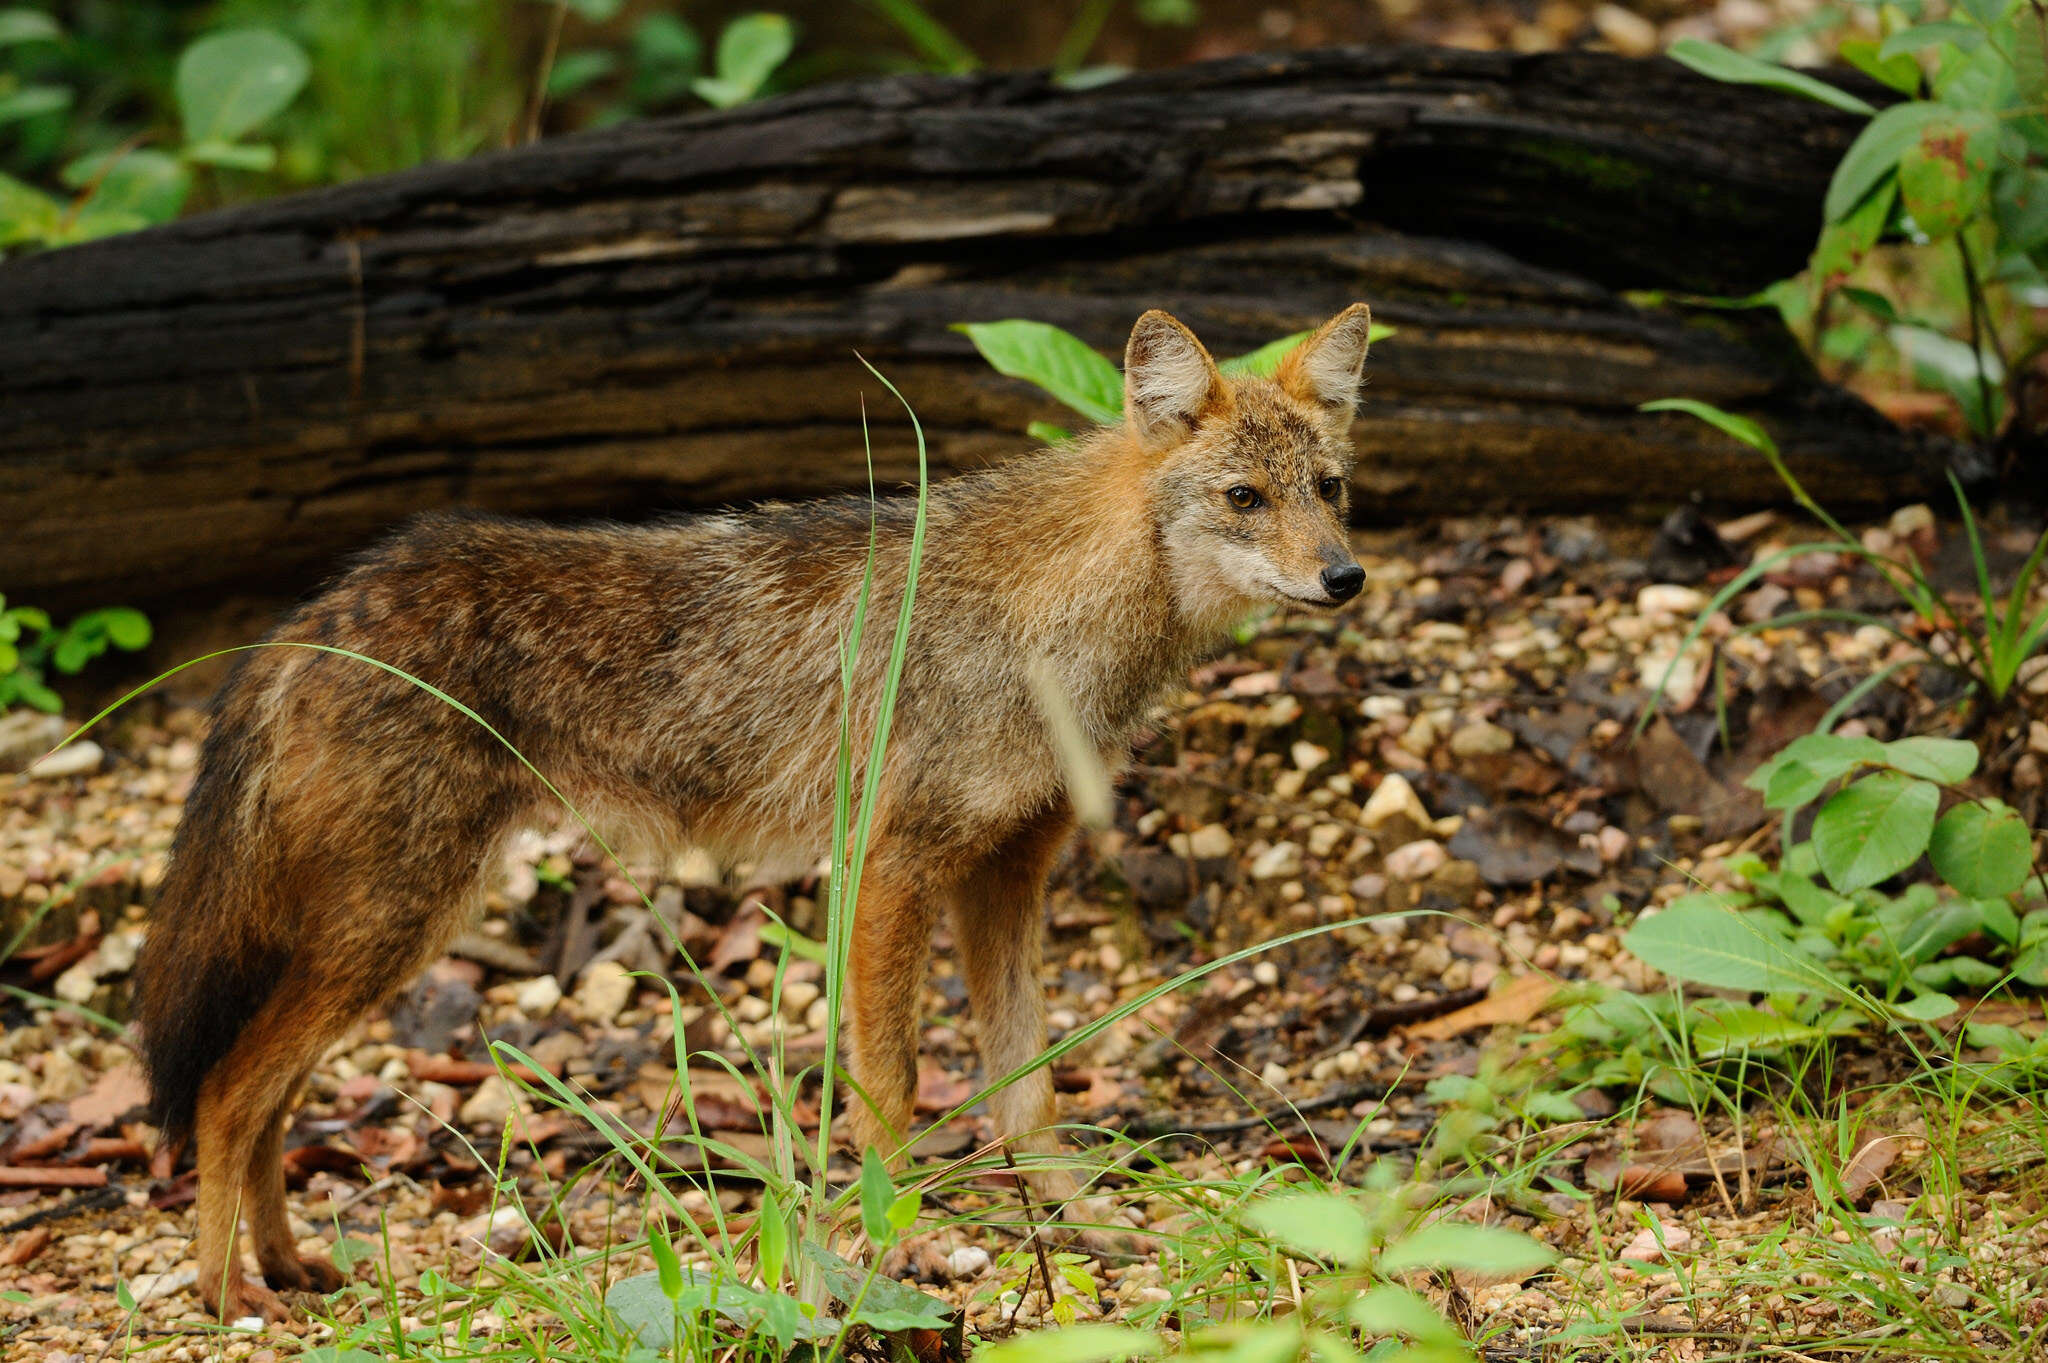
[1726, 64]
[1792, 785]
[1324, 1225]
[1738, 1030]
[749, 50]
[1874, 828]
[27, 26]
[32, 101]
[595, 11]
[1701, 940]
[1945, 173]
[1392, 1310]
[668, 1268]
[229, 83]
[1045, 433]
[1828, 756]
[772, 1238]
[1843, 245]
[1926, 1007]
[1901, 73]
[1059, 362]
[1998, 919]
[1263, 362]
[1477, 1249]
[1948, 761]
[574, 71]
[1091, 1343]
[1925, 934]
[152, 185]
[1983, 852]
[1875, 154]
[667, 56]
[1963, 37]
[129, 629]
[877, 1193]
[900, 1302]
[74, 650]
[257, 156]
[2019, 201]
[1728, 423]
[10, 657]
[1944, 362]
[26, 213]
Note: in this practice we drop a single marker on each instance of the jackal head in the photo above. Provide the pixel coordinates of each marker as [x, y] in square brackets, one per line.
[1250, 478]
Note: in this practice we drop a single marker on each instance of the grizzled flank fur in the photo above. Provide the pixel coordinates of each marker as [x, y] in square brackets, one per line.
[679, 682]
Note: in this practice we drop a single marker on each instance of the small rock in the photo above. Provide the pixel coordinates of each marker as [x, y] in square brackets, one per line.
[26, 735]
[1655, 1241]
[2037, 736]
[1908, 521]
[1627, 32]
[489, 1106]
[1324, 837]
[604, 990]
[1278, 862]
[1416, 860]
[1393, 797]
[968, 1261]
[1481, 739]
[75, 760]
[1613, 843]
[1210, 841]
[1668, 598]
[1369, 887]
[1382, 707]
[1274, 1075]
[1266, 973]
[1307, 756]
[538, 996]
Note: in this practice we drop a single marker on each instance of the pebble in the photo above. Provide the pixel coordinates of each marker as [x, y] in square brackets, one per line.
[1481, 739]
[1382, 707]
[1307, 756]
[1210, 841]
[1278, 862]
[1646, 1248]
[1668, 598]
[1274, 1075]
[968, 1261]
[538, 996]
[1416, 860]
[489, 1106]
[75, 760]
[1394, 798]
[1266, 973]
[1613, 844]
[1323, 839]
[604, 990]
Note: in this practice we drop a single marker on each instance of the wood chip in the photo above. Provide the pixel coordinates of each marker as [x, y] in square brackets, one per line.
[16, 1176]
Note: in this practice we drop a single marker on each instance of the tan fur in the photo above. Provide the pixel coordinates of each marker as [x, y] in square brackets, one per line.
[683, 679]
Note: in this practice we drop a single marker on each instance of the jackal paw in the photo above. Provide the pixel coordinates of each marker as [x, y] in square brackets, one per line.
[303, 1273]
[241, 1300]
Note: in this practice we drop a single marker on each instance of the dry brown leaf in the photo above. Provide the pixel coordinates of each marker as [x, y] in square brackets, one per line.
[113, 1095]
[1523, 998]
[1869, 1164]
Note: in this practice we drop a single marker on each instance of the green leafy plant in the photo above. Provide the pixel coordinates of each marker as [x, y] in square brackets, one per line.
[1816, 924]
[1355, 1249]
[227, 85]
[1986, 641]
[1082, 377]
[31, 647]
[1956, 163]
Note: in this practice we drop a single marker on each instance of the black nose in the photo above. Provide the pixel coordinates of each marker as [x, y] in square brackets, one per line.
[1342, 583]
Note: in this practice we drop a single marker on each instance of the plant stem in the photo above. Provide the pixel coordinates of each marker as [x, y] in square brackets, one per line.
[1975, 296]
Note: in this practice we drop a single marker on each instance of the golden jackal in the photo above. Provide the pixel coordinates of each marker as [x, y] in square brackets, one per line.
[684, 677]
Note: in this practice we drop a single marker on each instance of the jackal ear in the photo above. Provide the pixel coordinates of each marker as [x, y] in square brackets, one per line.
[1326, 368]
[1169, 380]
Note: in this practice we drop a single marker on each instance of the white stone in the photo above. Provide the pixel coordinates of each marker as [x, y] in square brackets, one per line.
[75, 760]
[1393, 797]
[489, 1106]
[1668, 598]
[604, 990]
[1308, 756]
[1382, 707]
[1278, 862]
[1481, 739]
[1416, 860]
[1274, 1075]
[1323, 839]
[1210, 841]
[538, 996]
[968, 1261]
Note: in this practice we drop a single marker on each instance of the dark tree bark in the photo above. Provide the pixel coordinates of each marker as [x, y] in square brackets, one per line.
[664, 314]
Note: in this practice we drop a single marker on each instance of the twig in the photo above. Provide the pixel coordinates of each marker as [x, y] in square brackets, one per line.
[1035, 1240]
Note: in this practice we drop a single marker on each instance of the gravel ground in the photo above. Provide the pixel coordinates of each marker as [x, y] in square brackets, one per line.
[1455, 743]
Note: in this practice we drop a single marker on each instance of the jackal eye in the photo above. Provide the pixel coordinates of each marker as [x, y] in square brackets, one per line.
[1244, 498]
[1329, 488]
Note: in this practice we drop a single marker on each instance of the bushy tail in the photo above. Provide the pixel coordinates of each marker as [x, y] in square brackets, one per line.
[218, 938]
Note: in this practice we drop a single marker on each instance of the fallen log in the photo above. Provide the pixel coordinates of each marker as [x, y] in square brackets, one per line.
[663, 314]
